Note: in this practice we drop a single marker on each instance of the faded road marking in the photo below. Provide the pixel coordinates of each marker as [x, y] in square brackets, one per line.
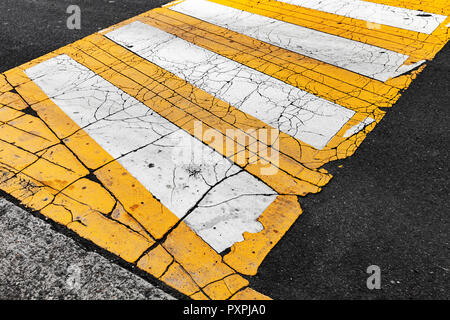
[419, 46]
[358, 57]
[292, 111]
[139, 105]
[217, 199]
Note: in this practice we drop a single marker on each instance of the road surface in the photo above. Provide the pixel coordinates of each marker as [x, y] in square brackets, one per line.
[387, 205]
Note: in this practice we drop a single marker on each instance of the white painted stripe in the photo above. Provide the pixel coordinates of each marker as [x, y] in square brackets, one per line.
[150, 148]
[365, 59]
[295, 112]
[402, 18]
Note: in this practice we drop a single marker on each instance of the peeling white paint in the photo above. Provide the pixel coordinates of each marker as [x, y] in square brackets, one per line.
[402, 18]
[365, 59]
[293, 111]
[222, 200]
[358, 127]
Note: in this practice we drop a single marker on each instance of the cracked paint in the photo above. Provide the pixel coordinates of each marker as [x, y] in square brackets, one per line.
[94, 135]
[178, 101]
[292, 111]
[137, 137]
[355, 56]
[402, 18]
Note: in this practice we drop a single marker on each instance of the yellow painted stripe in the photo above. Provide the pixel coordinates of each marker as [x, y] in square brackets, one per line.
[274, 225]
[118, 224]
[12, 100]
[225, 43]
[418, 46]
[4, 85]
[108, 174]
[8, 114]
[335, 84]
[173, 98]
[443, 34]
[338, 147]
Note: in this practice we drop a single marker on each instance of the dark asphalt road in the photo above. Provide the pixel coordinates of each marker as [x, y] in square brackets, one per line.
[387, 206]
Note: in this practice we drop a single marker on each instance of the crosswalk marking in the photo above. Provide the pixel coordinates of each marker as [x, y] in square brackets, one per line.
[137, 138]
[136, 211]
[418, 46]
[413, 20]
[94, 135]
[181, 103]
[292, 111]
[368, 60]
[287, 66]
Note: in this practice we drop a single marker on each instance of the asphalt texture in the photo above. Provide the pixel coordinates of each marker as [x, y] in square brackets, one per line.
[37, 262]
[387, 205]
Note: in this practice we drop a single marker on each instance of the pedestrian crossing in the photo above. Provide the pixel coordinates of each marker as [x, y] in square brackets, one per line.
[365, 59]
[183, 139]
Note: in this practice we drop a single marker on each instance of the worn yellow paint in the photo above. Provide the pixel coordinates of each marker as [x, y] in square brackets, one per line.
[295, 69]
[48, 163]
[292, 68]
[178, 278]
[187, 248]
[221, 291]
[14, 158]
[125, 210]
[12, 100]
[22, 138]
[245, 257]
[136, 199]
[7, 114]
[61, 124]
[122, 216]
[87, 150]
[235, 283]
[173, 99]
[442, 35]
[4, 85]
[199, 296]
[31, 93]
[35, 127]
[57, 213]
[156, 262]
[15, 77]
[83, 189]
[63, 157]
[419, 46]
[27, 190]
[405, 80]
[110, 235]
[51, 175]
[345, 147]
